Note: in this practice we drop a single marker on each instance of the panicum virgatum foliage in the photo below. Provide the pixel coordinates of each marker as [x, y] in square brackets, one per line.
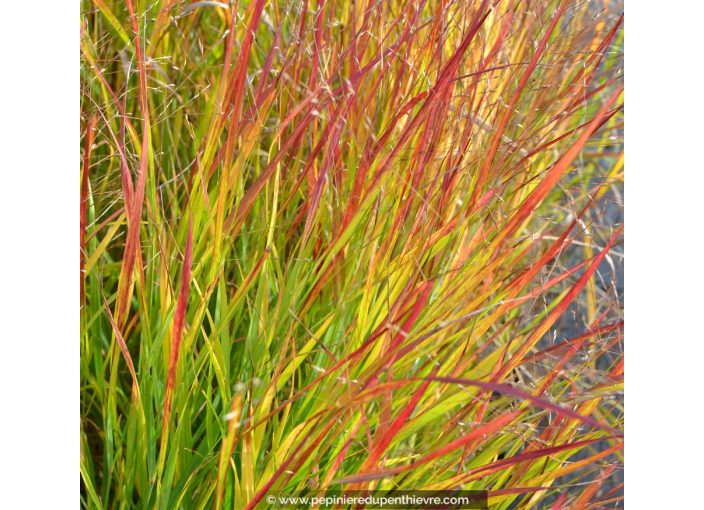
[359, 244]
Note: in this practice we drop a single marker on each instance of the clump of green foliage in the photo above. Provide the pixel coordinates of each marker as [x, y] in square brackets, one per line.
[334, 243]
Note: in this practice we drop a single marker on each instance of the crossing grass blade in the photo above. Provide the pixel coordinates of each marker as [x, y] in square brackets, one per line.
[360, 245]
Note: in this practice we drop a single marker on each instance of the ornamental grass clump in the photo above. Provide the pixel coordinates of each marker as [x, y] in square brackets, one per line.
[351, 245]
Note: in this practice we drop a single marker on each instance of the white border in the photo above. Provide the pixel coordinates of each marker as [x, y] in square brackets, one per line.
[39, 197]
[664, 283]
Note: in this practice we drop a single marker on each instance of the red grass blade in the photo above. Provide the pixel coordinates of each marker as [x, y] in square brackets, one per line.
[179, 321]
